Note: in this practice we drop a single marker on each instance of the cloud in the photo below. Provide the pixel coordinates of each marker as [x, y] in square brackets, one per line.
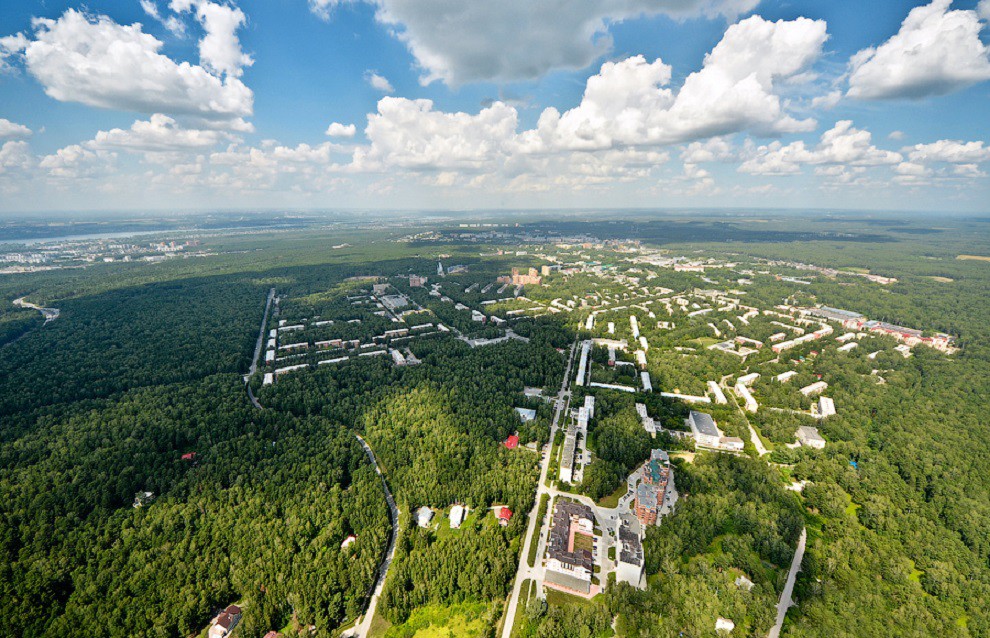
[717, 149]
[378, 82]
[100, 63]
[172, 23]
[983, 9]
[76, 162]
[936, 51]
[336, 129]
[460, 42]
[624, 103]
[952, 151]
[219, 49]
[410, 134]
[159, 134]
[896, 135]
[828, 101]
[12, 130]
[14, 155]
[10, 46]
[842, 145]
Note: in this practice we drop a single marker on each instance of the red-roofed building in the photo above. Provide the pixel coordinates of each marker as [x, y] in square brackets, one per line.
[512, 442]
[504, 516]
[189, 456]
[225, 622]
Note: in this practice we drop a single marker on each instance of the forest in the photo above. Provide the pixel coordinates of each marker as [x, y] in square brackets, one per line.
[144, 365]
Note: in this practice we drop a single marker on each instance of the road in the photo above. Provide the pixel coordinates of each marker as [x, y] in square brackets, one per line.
[754, 437]
[524, 571]
[786, 595]
[361, 630]
[257, 350]
[50, 314]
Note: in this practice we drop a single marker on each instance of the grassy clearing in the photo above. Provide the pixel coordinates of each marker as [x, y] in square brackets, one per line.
[466, 620]
[972, 257]
[612, 500]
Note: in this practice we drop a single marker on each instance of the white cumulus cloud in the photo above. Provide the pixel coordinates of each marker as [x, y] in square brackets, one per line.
[336, 129]
[952, 151]
[97, 62]
[219, 49]
[159, 134]
[735, 90]
[936, 51]
[12, 130]
[842, 145]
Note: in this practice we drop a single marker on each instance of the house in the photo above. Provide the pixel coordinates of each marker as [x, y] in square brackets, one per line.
[703, 429]
[512, 442]
[809, 437]
[645, 378]
[269, 379]
[143, 498]
[225, 622]
[717, 393]
[629, 568]
[784, 377]
[423, 516]
[744, 583]
[504, 515]
[347, 541]
[189, 456]
[457, 515]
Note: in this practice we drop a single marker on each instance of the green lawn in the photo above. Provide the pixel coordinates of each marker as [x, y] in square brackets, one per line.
[612, 500]
[583, 542]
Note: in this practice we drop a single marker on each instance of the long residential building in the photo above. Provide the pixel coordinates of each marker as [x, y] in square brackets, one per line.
[570, 564]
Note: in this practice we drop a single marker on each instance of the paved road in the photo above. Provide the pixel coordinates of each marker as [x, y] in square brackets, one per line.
[785, 596]
[257, 350]
[524, 571]
[361, 630]
[754, 437]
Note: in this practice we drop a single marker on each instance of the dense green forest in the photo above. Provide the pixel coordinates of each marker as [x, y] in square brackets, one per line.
[144, 366]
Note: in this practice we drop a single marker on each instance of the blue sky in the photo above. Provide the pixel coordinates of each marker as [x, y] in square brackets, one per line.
[214, 104]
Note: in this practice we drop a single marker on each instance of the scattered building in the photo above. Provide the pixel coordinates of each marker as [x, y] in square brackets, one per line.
[504, 516]
[784, 377]
[825, 407]
[225, 622]
[703, 428]
[526, 414]
[717, 393]
[809, 437]
[512, 442]
[815, 388]
[570, 548]
[423, 516]
[749, 401]
[724, 625]
[629, 568]
[457, 515]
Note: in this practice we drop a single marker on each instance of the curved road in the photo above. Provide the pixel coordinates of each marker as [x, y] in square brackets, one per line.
[361, 630]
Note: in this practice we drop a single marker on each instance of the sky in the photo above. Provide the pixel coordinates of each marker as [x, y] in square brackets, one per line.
[185, 105]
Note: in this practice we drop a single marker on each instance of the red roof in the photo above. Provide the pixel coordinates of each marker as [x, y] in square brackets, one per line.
[233, 610]
[512, 442]
[505, 514]
[188, 456]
